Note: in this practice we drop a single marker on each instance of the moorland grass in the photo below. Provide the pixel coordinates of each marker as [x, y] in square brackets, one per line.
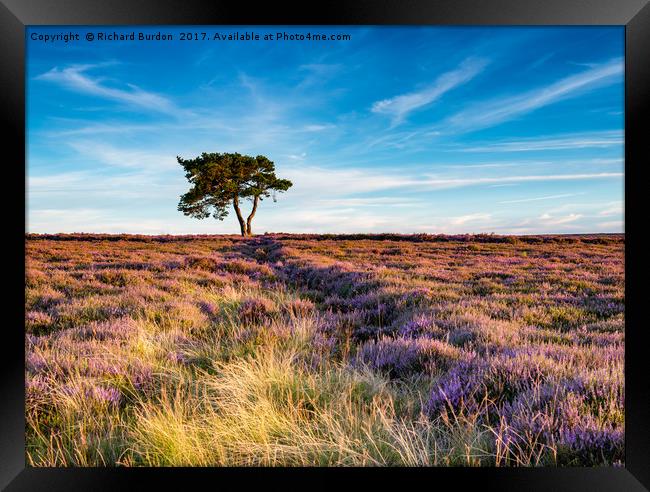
[324, 351]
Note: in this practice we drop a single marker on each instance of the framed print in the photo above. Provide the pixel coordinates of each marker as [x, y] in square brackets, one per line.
[267, 243]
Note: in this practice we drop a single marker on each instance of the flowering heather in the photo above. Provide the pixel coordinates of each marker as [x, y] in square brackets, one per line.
[324, 350]
[400, 357]
[256, 310]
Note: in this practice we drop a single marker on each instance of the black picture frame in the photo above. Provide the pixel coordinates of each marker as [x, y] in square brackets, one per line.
[15, 15]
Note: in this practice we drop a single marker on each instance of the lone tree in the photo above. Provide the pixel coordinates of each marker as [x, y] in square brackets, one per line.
[220, 179]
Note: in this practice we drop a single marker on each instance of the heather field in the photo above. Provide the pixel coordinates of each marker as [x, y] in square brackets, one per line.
[324, 350]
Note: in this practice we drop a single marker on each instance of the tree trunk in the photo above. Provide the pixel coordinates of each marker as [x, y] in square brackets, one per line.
[249, 230]
[240, 218]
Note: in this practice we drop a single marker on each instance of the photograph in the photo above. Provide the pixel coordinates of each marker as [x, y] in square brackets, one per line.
[325, 246]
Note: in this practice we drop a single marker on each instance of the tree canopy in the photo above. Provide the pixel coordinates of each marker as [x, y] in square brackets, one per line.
[219, 180]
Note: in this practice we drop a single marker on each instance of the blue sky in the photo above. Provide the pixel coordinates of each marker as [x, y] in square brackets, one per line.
[399, 129]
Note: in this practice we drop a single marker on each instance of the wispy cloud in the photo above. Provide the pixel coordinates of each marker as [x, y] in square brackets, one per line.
[317, 73]
[110, 155]
[459, 182]
[310, 179]
[66, 219]
[569, 141]
[615, 208]
[108, 128]
[613, 225]
[398, 107]
[75, 77]
[497, 111]
[550, 220]
[380, 201]
[318, 128]
[90, 186]
[321, 69]
[540, 61]
[541, 198]
[476, 217]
